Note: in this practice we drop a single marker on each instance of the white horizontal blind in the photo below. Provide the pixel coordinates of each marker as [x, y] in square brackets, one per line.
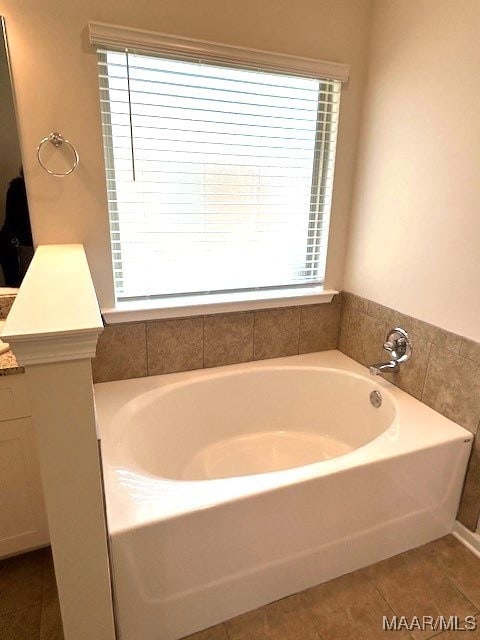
[219, 178]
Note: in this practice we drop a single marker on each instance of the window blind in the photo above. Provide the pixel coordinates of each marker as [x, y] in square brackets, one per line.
[219, 178]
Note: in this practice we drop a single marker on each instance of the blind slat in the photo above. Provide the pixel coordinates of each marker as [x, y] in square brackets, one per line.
[281, 126]
[222, 74]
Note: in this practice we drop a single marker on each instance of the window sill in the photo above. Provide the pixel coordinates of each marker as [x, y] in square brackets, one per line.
[208, 304]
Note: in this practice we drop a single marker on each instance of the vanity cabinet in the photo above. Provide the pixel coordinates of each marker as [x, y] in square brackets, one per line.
[23, 522]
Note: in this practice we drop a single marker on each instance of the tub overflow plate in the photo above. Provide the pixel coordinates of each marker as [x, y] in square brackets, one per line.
[376, 399]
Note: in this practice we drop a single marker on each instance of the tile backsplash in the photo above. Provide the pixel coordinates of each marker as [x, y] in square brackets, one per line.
[443, 372]
[137, 349]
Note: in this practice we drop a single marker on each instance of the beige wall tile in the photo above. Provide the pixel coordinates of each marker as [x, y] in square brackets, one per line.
[446, 339]
[470, 349]
[228, 339]
[411, 377]
[421, 329]
[352, 301]
[343, 332]
[394, 318]
[319, 327]
[344, 329]
[469, 510]
[121, 353]
[382, 313]
[365, 338]
[452, 387]
[174, 345]
[276, 333]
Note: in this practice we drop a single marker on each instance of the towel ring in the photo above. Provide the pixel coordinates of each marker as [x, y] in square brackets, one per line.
[57, 140]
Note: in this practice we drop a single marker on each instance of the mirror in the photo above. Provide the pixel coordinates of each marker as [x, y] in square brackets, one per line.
[16, 245]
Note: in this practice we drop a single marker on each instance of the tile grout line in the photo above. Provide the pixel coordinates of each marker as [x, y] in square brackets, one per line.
[224, 627]
[381, 594]
[314, 622]
[298, 332]
[253, 331]
[431, 557]
[427, 370]
[146, 349]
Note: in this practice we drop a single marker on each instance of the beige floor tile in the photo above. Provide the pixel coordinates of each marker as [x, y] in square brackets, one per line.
[425, 581]
[414, 585]
[21, 581]
[49, 581]
[21, 625]
[217, 632]
[459, 564]
[473, 634]
[286, 619]
[349, 607]
[51, 621]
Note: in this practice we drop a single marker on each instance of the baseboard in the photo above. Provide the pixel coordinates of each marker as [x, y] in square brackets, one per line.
[468, 538]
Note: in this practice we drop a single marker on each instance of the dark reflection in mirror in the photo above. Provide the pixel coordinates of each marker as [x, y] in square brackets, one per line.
[16, 245]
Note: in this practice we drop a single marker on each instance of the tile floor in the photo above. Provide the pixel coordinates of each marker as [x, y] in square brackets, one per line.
[440, 578]
[29, 607]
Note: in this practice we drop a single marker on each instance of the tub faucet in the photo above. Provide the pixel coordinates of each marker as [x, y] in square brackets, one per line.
[400, 349]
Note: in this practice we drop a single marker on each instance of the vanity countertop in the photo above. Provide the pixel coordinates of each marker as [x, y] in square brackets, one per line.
[8, 362]
[9, 365]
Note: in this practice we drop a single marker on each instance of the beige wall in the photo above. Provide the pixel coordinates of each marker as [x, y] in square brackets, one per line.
[55, 79]
[415, 235]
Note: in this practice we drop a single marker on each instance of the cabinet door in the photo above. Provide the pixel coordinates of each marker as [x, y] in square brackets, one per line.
[23, 523]
[14, 401]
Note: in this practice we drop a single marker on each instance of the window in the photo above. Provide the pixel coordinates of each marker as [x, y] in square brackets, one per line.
[219, 178]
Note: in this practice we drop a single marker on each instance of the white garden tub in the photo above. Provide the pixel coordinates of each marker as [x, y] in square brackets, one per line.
[232, 487]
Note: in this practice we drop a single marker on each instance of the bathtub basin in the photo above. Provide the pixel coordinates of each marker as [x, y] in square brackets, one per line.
[232, 487]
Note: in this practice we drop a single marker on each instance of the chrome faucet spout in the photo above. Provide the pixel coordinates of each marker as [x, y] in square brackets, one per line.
[384, 367]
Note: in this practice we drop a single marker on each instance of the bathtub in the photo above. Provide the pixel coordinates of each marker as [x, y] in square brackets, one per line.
[232, 487]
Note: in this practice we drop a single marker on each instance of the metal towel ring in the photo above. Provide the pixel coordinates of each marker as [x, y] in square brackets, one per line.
[57, 140]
